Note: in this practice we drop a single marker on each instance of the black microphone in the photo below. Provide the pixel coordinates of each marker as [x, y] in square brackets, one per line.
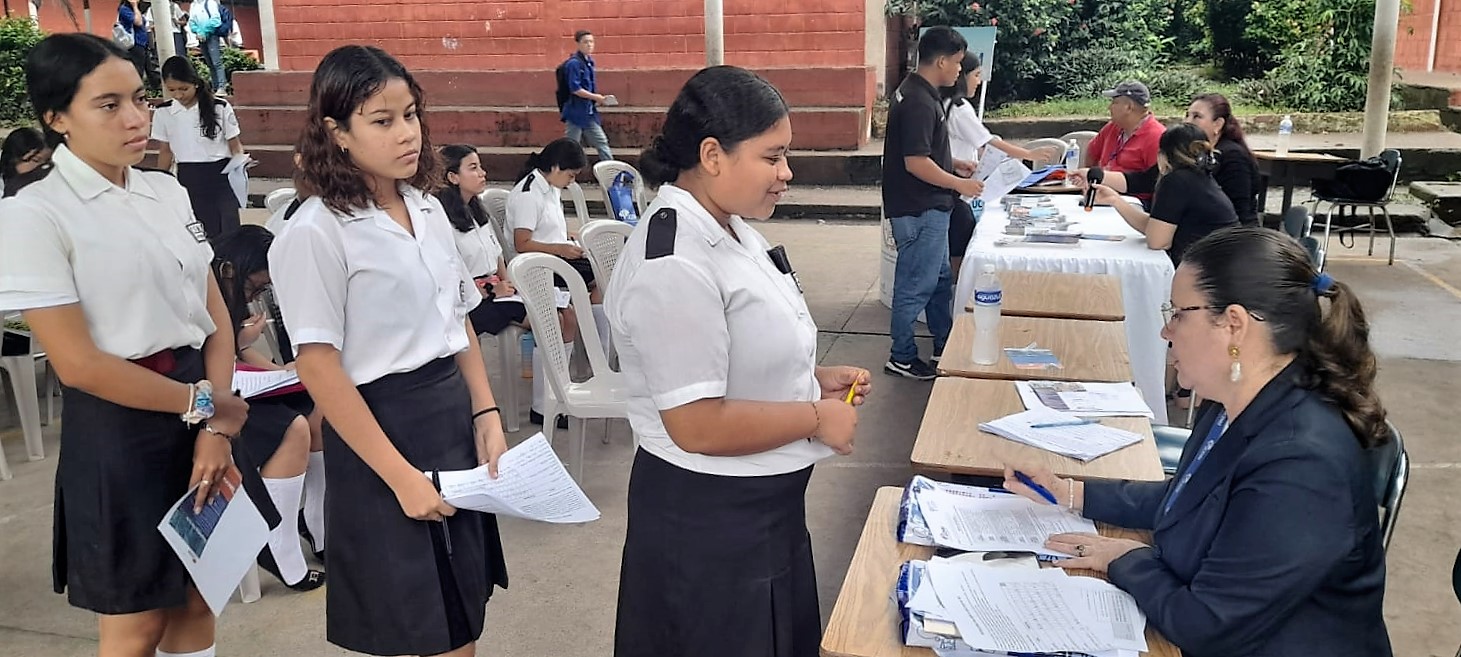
[1094, 176]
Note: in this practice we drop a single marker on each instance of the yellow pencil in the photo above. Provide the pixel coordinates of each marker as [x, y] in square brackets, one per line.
[851, 392]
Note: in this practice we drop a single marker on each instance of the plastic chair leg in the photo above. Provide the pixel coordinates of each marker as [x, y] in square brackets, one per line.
[1390, 228]
[578, 435]
[22, 371]
[248, 589]
[5, 472]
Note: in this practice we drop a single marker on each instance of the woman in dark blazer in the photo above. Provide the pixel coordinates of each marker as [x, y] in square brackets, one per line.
[1267, 541]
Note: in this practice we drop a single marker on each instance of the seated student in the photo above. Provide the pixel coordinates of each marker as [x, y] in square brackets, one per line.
[281, 430]
[1237, 170]
[24, 159]
[1128, 144]
[1188, 204]
[1268, 541]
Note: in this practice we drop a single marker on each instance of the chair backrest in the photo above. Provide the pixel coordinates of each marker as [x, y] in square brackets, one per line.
[1297, 222]
[1315, 249]
[1082, 138]
[279, 198]
[580, 207]
[533, 273]
[603, 241]
[604, 173]
[494, 201]
[1391, 158]
[1056, 144]
[1456, 576]
[1392, 473]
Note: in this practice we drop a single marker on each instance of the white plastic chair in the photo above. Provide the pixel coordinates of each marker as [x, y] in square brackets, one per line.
[603, 241]
[580, 207]
[604, 173]
[21, 369]
[1054, 144]
[1082, 138]
[279, 198]
[604, 394]
[509, 358]
[494, 201]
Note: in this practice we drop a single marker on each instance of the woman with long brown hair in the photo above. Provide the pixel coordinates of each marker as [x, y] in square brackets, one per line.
[376, 300]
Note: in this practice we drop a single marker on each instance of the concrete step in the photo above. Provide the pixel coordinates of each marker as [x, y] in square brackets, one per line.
[1443, 199]
[802, 87]
[819, 128]
[860, 167]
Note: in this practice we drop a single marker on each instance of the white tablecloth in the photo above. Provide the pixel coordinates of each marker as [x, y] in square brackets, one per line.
[1146, 279]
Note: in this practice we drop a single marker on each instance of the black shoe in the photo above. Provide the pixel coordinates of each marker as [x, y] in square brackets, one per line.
[305, 534]
[537, 418]
[936, 358]
[312, 579]
[917, 370]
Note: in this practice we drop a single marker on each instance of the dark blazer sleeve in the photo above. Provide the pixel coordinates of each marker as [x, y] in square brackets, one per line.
[1288, 522]
[1130, 504]
[1235, 174]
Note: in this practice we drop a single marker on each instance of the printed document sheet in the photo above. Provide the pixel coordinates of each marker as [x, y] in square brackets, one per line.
[531, 483]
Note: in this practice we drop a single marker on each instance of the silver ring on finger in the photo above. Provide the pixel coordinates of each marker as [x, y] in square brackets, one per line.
[205, 482]
[1080, 550]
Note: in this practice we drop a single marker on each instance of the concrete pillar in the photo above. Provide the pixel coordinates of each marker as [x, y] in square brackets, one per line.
[714, 33]
[1382, 66]
[875, 45]
[268, 35]
[163, 29]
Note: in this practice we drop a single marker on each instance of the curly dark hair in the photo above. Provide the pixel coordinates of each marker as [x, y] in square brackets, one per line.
[345, 79]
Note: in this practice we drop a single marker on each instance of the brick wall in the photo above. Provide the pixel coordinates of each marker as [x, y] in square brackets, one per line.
[52, 19]
[537, 34]
[1412, 46]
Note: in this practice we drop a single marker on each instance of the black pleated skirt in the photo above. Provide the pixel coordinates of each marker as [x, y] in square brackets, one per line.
[716, 566]
[213, 200]
[269, 420]
[394, 588]
[119, 472]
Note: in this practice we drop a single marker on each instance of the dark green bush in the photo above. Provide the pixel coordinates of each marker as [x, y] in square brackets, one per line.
[17, 37]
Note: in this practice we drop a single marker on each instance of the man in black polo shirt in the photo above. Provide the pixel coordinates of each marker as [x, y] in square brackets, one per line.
[920, 188]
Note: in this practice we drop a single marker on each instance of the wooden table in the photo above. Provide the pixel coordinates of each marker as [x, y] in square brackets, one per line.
[864, 622]
[1088, 351]
[1289, 170]
[1060, 295]
[949, 439]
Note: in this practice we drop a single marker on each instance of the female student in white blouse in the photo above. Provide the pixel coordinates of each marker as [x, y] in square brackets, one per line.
[111, 271]
[718, 351]
[376, 301]
[201, 134]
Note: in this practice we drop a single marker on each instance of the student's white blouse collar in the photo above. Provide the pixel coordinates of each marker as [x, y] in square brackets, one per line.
[88, 183]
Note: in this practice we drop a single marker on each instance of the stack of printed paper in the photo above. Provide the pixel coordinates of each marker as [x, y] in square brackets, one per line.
[1062, 433]
[1085, 399]
[981, 519]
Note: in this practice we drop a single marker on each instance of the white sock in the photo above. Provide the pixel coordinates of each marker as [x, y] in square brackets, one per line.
[314, 498]
[284, 539]
[206, 652]
[601, 323]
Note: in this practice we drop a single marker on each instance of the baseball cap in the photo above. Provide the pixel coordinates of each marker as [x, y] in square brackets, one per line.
[1131, 89]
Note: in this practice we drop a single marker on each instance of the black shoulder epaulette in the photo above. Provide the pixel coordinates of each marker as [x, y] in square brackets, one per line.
[165, 103]
[660, 241]
[220, 101]
[528, 182]
[293, 208]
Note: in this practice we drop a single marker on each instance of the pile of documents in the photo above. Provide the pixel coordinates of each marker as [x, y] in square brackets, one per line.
[977, 605]
[531, 483]
[981, 519]
[1062, 433]
[259, 383]
[1084, 399]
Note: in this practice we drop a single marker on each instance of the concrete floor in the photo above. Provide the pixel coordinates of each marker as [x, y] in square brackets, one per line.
[564, 579]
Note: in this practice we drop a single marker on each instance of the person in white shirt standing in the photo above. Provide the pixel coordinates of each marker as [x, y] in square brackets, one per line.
[731, 410]
[110, 269]
[200, 133]
[376, 300]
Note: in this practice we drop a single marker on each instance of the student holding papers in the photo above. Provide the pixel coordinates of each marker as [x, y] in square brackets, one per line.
[376, 299]
[725, 396]
[282, 429]
[110, 269]
[1267, 542]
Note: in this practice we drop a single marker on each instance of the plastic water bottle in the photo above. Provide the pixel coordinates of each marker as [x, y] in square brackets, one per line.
[1072, 157]
[1285, 130]
[987, 297]
[528, 344]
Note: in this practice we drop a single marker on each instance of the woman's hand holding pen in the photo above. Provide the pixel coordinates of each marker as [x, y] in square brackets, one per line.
[1067, 493]
[250, 332]
[839, 382]
[419, 499]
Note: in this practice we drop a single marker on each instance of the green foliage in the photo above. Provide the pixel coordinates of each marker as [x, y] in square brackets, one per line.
[17, 37]
[1328, 70]
[238, 60]
[1086, 73]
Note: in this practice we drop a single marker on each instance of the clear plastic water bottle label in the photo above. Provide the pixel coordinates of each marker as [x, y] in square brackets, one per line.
[987, 297]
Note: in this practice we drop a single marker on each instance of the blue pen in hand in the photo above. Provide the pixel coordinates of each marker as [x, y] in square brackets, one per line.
[1026, 480]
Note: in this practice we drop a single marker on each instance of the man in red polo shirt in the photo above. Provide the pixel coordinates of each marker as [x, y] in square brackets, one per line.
[1128, 144]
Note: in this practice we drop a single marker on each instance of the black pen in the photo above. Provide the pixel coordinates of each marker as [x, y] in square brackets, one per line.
[445, 531]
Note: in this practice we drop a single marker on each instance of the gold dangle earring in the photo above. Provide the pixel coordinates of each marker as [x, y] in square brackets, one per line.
[1235, 373]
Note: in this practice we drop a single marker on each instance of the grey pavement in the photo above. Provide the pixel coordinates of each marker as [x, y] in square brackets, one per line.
[564, 579]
